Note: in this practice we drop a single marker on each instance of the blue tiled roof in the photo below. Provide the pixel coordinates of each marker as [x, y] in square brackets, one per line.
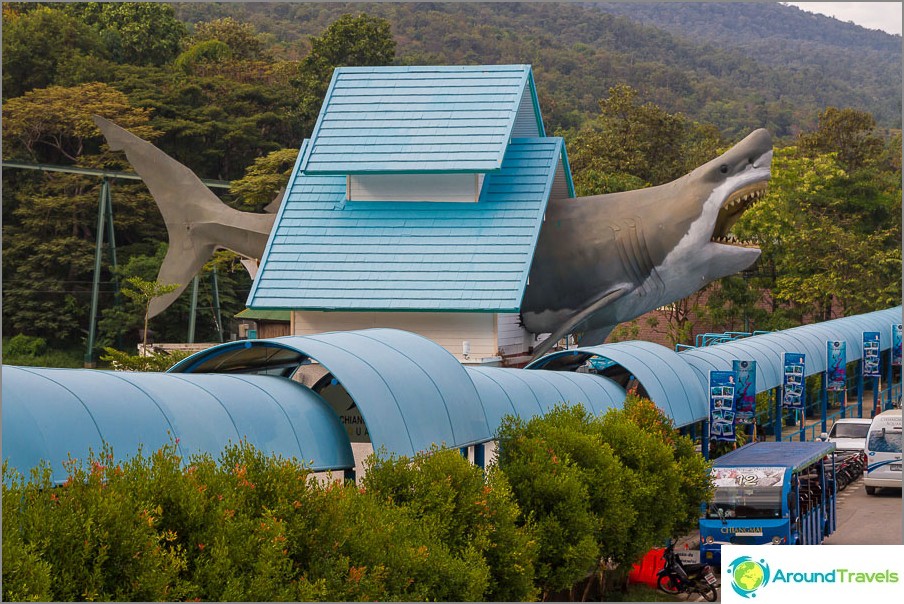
[328, 254]
[418, 119]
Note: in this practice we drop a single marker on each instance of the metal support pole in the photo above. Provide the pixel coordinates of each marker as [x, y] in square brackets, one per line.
[777, 425]
[193, 313]
[216, 303]
[480, 455]
[876, 386]
[825, 401]
[889, 381]
[90, 363]
[860, 388]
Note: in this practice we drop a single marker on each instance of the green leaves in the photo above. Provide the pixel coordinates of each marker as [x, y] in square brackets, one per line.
[599, 488]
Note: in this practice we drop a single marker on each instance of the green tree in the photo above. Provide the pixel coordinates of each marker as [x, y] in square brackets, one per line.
[358, 41]
[475, 517]
[139, 33]
[50, 218]
[241, 38]
[264, 179]
[33, 57]
[600, 488]
[630, 145]
[143, 291]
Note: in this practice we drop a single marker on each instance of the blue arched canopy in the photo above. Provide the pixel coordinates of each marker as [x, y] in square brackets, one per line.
[411, 392]
[666, 378]
[768, 349]
[49, 414]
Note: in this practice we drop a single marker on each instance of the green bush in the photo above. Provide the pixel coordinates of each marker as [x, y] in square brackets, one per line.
[251, 527]
[473, 515]
[600, 489]
[121, 361]
[22, 345]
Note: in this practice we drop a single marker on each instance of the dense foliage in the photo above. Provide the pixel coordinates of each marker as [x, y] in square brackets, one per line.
[568, 490]
[231, 90]
[600, 491]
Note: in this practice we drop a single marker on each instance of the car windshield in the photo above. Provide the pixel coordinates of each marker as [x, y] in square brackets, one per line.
[746, 502]
[845, 430]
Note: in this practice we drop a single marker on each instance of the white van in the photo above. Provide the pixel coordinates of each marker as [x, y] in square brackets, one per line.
[883, 450]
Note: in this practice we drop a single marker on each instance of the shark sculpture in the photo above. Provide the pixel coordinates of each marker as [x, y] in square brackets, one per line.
[197, 222]
[607, 259]
[599, 261]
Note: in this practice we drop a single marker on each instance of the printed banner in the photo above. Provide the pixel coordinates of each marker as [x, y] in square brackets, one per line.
[836, 365]
[722, 388]
[794, 384]
[896, 344]
[745, 398]
[871, 354]
[812, 573]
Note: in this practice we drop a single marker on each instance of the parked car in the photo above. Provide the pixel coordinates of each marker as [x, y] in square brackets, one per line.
[849, 433]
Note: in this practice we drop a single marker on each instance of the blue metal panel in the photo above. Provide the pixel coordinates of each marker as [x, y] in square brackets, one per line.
[328, 254]
[670, 382]
[795, 455]
[411, 392]
[529, 394]
[49, 414]
[417, 119]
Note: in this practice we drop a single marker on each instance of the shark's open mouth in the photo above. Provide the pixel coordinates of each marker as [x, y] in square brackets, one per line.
[732, 208]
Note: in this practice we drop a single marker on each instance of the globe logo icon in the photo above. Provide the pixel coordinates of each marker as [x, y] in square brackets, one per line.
[748, 575]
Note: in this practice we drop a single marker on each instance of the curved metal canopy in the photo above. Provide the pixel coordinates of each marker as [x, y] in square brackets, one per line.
[411, 392]
[768, 349]
[528, 394]
[51, 413]
[667, 378]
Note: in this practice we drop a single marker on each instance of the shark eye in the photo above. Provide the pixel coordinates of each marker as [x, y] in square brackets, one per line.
[723, 168]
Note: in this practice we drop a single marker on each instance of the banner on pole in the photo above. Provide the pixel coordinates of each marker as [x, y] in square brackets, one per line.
[722, 389]
[794, 384]
[871, 354]
[836, 365]
[745, 398]
[896, 344]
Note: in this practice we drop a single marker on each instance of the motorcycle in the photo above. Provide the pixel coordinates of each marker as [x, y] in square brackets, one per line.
[679, 578]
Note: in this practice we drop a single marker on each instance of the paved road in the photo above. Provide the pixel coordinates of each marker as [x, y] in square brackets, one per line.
[868, 519]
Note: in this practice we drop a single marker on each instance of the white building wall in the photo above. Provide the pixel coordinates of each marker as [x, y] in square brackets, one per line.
[513, 338]
[414, 187]
[447, 329]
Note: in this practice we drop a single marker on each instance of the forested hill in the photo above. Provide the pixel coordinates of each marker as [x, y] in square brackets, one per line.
[786, 36]
[738, 66]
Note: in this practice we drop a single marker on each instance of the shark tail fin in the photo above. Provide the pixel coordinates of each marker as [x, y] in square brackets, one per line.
[184, 201]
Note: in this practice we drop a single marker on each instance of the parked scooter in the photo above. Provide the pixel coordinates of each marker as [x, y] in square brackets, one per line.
[678, 578]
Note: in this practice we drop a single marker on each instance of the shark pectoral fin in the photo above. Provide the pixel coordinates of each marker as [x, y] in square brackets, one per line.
[579, 317]
[594, 336]
[180, 265]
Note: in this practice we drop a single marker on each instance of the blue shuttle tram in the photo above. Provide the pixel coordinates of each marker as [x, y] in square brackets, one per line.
[770, 493]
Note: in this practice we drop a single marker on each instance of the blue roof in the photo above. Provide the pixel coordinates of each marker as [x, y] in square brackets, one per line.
[419, 119]
[49, 414]
[768, 349]
[794, 455]
[328, 254]
[668, 379]
[528, 394]
[411, 392]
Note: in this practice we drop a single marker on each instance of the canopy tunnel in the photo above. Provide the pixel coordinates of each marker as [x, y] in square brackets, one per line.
[398, 391]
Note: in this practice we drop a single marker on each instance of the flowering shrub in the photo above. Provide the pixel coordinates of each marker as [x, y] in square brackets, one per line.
[254, 527]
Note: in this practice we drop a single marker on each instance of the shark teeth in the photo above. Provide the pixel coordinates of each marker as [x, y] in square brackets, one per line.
[732, 209]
